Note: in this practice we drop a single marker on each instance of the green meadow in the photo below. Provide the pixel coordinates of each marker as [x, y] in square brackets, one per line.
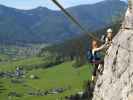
[60, 76]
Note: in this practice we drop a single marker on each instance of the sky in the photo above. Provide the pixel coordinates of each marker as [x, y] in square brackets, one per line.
[30, 4]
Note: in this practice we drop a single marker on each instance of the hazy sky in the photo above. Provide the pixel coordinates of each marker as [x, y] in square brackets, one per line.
[29, 4]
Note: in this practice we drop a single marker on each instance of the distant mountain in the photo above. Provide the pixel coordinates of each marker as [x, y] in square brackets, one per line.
[49, 26]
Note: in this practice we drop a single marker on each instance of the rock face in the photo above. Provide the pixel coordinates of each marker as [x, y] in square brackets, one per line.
[130, 4]
[116, 83]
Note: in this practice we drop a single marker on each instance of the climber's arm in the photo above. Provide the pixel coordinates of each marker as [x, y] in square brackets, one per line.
[100, 48]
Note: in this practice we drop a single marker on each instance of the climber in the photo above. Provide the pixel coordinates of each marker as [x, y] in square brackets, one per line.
[95, 57]
[107, 38]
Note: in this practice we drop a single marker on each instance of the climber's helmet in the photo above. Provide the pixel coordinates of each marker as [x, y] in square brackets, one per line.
[109, 30]
[109, 33]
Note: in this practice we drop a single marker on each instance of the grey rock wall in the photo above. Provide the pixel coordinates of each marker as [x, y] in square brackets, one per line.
[116, 83]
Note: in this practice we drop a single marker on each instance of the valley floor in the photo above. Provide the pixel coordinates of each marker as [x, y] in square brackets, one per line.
[62, 76]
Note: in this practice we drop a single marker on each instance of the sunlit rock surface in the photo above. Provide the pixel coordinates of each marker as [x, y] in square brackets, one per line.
[116, 83]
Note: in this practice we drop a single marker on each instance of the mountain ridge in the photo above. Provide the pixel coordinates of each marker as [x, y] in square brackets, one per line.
[42, 25]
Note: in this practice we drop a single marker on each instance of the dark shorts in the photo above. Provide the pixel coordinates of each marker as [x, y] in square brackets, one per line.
[95, 69]
[96, 64]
